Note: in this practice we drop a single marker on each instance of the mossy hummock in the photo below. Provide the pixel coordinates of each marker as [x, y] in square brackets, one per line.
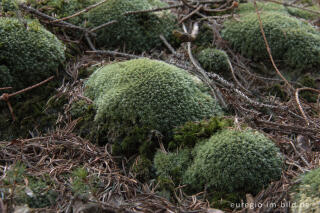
[234, 161]
[147, 94]
[285, 35]
[135, 32]
[28, 53]
[214, 60]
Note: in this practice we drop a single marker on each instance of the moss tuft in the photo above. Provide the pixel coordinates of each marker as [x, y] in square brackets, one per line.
[136, 32]
[306, 195]
[285, 36]
[234, 161]
[191, 133]
[172, 165]
[30, 53]
[214, 60]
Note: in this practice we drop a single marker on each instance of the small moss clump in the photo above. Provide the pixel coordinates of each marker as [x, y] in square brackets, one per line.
[234, 161]
[285, 35]
[188, 135]
[150, 94]
[173, 164]
[136, 32]
[214, 60]
[306, 195]
[30, 53]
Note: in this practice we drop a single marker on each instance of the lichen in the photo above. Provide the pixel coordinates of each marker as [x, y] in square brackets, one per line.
[234, 161]
[136, 32]
[285, 35]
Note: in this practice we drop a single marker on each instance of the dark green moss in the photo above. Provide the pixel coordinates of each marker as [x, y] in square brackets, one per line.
[192, 132]
[142, 169]
[33, 114]
[214, 60]
[172, 165]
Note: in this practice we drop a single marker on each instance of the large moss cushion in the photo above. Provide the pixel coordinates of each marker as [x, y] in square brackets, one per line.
[293, 43]
[135, 32]
[234, 161]
[28, 53]
[148, 93]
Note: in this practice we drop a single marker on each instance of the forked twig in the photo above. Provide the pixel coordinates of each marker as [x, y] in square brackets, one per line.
[6, 97]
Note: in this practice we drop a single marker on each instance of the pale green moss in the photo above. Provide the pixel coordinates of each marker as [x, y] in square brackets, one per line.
[285, 36]
[147, 93]
[136, 32]
[306, 195]
[30, 53]
[234, 161]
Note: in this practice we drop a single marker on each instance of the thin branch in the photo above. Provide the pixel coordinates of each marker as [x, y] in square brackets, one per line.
[115, 54]
[299, 104]
[268, 47]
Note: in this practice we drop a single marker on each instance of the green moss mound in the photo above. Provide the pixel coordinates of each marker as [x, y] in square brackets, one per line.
[306, 195]
[30, 53]
[136, 32]
[214, 60]
[63, 8]
[285, 36]
[234, 161]
[147, 93]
